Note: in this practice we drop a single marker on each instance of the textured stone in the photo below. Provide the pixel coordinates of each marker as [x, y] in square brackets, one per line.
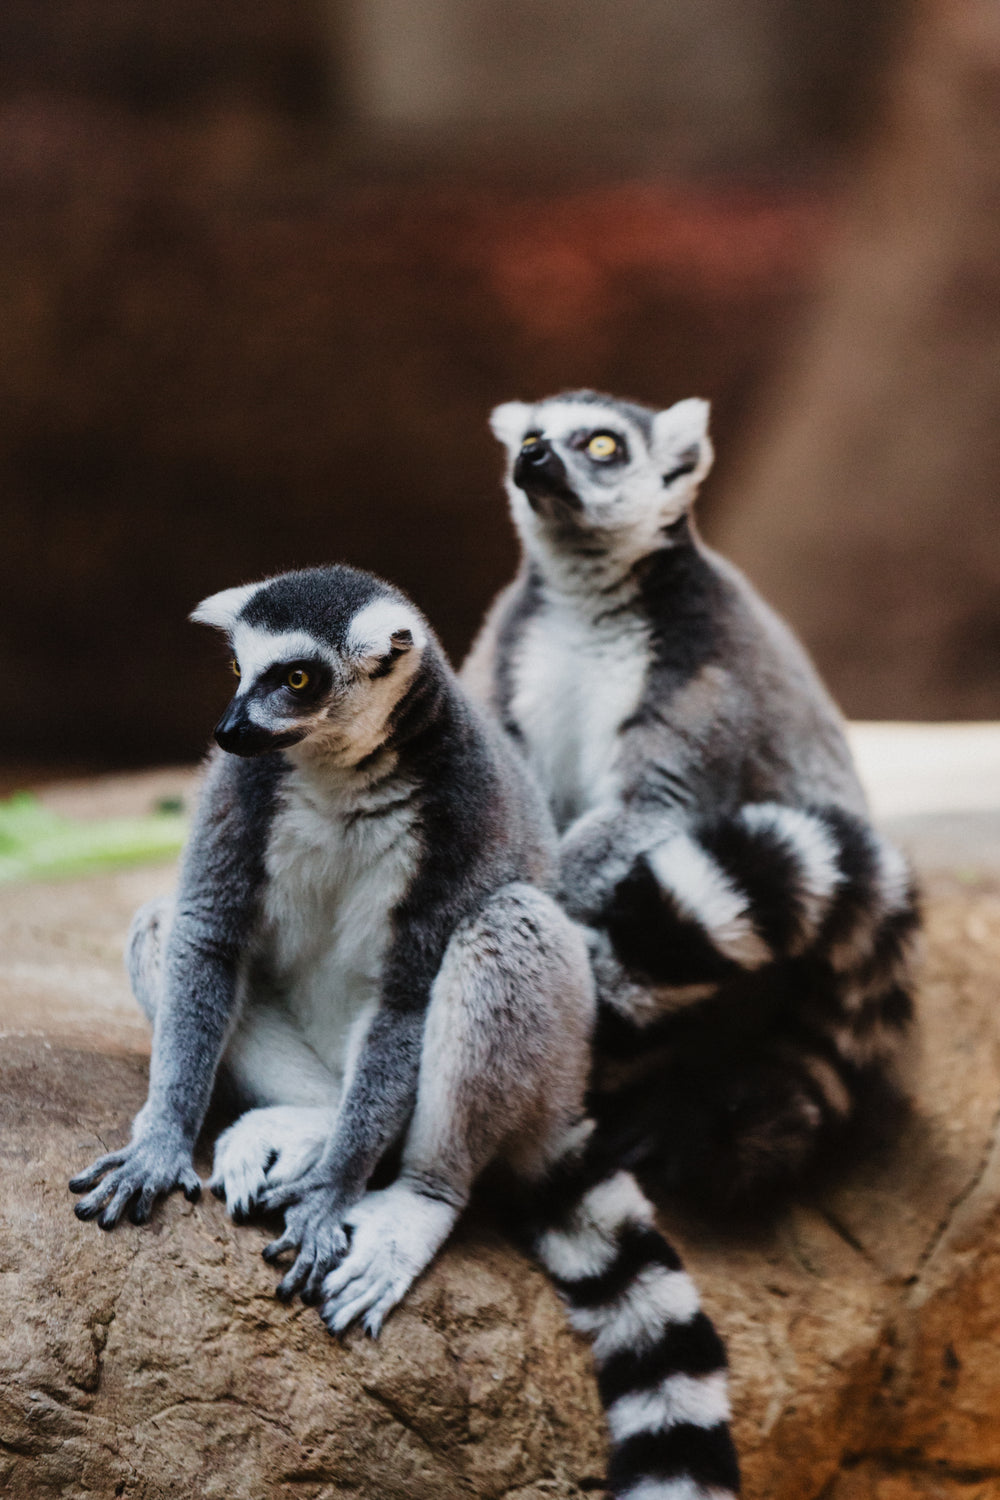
[863, 1327]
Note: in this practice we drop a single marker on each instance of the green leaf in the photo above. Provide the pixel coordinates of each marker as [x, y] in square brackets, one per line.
[37, 843]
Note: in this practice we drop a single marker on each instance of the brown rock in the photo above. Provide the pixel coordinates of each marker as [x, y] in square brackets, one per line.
[863, 1329]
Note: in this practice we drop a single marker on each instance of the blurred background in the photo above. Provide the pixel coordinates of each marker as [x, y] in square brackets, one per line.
[267, 264]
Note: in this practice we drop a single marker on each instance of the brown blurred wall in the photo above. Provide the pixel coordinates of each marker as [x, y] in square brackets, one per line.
[250, 324]
[868, 502]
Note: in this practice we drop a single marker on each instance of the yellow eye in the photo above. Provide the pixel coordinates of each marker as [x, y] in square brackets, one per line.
[236, 667]
[602, 445]
[297, 679]
[531, 441]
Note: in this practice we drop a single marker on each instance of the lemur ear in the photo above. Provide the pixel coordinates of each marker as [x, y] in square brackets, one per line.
[509, 423]
[382, 632]
[221, 610]
[681, 445]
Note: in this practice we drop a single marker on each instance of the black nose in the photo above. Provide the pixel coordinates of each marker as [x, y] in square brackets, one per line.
[237, 733]
[541, 474]
[537, 452]
[539, 467]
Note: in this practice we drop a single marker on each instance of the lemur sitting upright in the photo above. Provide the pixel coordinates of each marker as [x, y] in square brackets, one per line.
[363, 937]
[750, 932]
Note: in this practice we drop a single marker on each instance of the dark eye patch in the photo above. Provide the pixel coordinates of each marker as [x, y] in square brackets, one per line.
[580, 441]
[318, 672]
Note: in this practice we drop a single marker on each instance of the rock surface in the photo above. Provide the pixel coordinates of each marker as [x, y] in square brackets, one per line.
[864, 1329]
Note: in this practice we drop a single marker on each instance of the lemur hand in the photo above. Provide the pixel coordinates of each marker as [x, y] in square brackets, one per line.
[155, 1162]
[314, 1212]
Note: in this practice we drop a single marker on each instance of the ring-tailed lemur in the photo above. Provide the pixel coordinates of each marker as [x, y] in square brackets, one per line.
[750, 931]
[363, 936]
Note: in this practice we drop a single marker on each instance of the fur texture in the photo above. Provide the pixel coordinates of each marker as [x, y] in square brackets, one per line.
[365, 940]
[751, 933]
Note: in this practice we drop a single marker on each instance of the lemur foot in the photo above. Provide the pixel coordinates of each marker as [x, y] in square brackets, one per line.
[395, 1234]
[267, 1148]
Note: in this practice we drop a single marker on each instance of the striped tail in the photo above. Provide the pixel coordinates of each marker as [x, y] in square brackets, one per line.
[809, 914]
[661, 1366]
[769, 883]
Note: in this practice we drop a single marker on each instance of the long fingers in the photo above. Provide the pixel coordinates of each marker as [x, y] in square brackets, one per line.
[130, 1181]
[190, 1184]
[378, 1314]
[297, 1276]
[92, 1205]
[284, 1195]
[350, 1269]
[273, 1252]
[142, 1208]
[117, 1204]
[339, 1315]
[319, 1249]
[88, 1179]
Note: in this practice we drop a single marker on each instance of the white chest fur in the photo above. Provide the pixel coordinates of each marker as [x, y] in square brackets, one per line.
[338, 861]
[575, 683]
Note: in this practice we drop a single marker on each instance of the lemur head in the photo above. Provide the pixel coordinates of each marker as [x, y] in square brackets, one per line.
[323, 657]
[581, 463]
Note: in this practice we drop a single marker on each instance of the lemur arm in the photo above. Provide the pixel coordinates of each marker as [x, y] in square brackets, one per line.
[212, 924]
[598, 850]
[375, 1110]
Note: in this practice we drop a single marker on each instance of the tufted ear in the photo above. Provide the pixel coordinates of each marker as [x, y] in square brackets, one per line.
[509, 423]
[222, 609]
[382, 632]
[681, 446]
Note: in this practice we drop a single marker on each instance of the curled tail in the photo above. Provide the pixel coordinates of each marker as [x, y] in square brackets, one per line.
[661, 1366]
[802, 918]
[767, 884]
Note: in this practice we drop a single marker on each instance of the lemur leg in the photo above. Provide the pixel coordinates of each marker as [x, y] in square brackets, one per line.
[267, 1058]
[267, 1063]
[144, 946]
[503, 1067]
[505, 1056]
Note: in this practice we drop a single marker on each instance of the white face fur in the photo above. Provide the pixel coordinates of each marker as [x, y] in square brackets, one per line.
[298, 688]
[628, 487]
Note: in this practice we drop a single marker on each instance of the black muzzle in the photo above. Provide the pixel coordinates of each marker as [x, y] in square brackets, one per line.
[541, 474]
[237, 733]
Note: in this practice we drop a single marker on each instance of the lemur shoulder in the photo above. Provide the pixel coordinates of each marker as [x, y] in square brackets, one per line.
[364, 946]
[751, 933]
